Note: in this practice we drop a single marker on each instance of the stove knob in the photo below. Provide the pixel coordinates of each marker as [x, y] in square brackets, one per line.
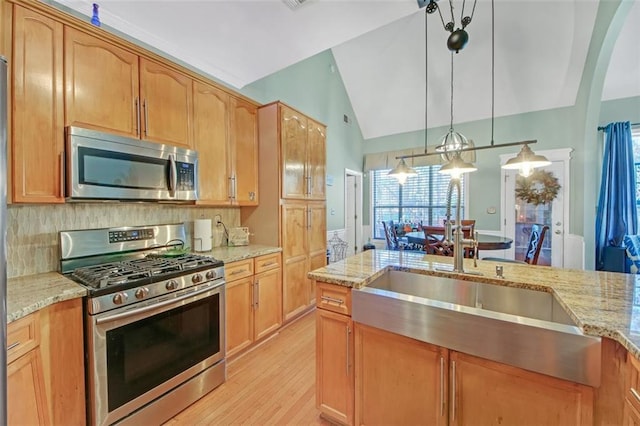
[196, 278]
[120, 298]
[172, 285]
[211, 275]
[142, 292]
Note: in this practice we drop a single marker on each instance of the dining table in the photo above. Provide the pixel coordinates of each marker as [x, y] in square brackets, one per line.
[485, 241]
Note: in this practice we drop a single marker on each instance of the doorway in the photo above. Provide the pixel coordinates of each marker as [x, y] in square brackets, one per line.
[518, 214]
[353, 211]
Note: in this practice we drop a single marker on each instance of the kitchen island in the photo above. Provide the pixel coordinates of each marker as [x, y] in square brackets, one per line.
[599, 303]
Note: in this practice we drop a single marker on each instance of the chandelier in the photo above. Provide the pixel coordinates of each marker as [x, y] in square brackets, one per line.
[453, 144]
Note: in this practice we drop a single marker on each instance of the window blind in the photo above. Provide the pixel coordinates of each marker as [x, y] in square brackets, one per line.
[421, 200]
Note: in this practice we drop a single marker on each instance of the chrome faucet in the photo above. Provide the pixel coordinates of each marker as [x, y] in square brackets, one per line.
[459, 243]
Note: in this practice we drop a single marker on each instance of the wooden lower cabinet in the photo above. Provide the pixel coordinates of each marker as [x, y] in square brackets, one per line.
[45, 370]
[403, 381]
[631, 416]
[253, 301]
[486, 392]
[399, 381]
[334, 366]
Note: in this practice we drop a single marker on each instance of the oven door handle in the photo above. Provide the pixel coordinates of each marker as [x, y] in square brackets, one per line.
[155, 306]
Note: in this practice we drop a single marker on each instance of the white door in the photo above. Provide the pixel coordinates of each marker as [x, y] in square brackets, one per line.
[353, 211]
[518, 215]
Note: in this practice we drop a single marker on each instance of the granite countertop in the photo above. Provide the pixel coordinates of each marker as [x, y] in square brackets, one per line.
[33, 292]
[601, 303]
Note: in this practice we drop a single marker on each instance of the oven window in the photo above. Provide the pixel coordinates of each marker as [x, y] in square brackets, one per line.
[147, 353]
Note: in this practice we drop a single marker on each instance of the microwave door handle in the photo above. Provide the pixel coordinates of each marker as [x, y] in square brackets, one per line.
[173, 176]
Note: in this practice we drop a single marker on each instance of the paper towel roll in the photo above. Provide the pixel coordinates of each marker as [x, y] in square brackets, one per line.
[202, 235]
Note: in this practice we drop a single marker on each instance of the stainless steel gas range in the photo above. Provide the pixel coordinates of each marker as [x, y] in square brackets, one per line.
[154, 321]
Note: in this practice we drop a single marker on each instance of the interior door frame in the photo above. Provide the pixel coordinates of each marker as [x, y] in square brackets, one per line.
[358, 231]
[554, 155]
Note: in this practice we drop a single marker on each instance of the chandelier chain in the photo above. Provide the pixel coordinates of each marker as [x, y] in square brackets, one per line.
[426, 78]
[451, 122]
[493, 61]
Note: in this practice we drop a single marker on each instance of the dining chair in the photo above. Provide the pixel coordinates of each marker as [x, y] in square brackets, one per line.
[534, 246]
[390, 235]
[434, 237]
[468, 226]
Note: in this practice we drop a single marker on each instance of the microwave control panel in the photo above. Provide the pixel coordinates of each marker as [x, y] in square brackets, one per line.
[186, 176]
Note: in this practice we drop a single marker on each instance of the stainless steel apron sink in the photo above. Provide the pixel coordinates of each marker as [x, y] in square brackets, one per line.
[515, 326]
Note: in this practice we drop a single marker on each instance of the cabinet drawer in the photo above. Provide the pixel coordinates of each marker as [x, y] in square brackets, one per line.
[239, 269]
[267, 262]
[22, 336]
[333, 297]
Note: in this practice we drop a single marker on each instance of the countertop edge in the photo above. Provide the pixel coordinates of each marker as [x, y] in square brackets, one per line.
[30, 293]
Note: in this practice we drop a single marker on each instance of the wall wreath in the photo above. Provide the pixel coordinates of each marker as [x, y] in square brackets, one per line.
[541, 187]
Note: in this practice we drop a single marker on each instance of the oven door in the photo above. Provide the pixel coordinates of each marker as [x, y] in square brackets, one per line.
[137, 354]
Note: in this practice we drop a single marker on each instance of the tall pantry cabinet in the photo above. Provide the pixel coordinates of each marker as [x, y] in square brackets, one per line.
[292, 210]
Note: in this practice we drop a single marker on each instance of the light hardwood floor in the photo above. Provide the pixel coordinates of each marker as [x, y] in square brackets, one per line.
[273, 384]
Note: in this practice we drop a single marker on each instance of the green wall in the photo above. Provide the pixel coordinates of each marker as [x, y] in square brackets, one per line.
[314, 86]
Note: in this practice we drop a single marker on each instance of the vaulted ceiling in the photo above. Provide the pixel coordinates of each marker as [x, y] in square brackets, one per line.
[379, 47]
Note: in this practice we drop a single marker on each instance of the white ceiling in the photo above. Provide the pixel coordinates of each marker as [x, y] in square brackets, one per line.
[378, 45]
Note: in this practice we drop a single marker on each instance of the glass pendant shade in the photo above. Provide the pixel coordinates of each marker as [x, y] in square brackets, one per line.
[456, 167]
[402, 171]
[526, 161]
[450, 143]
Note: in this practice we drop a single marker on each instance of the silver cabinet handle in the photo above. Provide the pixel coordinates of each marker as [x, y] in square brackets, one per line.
[269, 264]
[453, 391]
[137, 103]
[332, 300]
[256, 294]
[238, 271]
[441, 386]
[348, 345]
[13, 345]
[234, 191]
[308, 179]
[309, 218]
[145, 107]
[230, 188]
[633, 392]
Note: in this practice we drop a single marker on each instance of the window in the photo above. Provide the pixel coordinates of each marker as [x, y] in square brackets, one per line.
[421, 200]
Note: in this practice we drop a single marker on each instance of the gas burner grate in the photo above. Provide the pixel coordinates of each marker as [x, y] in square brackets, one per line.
[152, 268]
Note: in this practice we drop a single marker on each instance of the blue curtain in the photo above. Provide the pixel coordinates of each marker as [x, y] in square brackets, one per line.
[617, 214]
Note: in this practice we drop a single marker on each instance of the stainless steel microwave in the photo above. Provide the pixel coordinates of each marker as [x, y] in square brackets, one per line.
[101, 166]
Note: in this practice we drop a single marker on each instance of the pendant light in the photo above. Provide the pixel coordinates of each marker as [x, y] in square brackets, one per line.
[526, 161]
[402, 171]
[457, 166]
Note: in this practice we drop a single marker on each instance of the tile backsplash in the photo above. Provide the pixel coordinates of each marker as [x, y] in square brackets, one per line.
[32, 230]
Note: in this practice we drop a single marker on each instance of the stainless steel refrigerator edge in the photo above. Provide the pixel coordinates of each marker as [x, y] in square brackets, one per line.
[3, 238]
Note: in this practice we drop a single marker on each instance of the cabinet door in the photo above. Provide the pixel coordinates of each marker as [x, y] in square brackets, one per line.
[268, 303]
[400, 381]
[317, 241]
[239, 314]
[211, 140]
[295, 287]
[486, 392]
[316, 160]
[294, 153]
[37, 143]
[631, 416]
[167, 104]
[101, 83]
[244, 143]
[334, 367]
[26, 398]
[295, 217]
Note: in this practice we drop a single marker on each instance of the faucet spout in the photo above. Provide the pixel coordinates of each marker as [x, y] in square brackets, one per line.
[459, 243]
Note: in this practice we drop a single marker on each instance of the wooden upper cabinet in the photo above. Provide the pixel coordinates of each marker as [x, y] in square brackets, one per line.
[316, 159]
[211, 140]
[37, 139]
[101, 83]
[303, 156]
[294, 153]
[167, 104]
[244, 152]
